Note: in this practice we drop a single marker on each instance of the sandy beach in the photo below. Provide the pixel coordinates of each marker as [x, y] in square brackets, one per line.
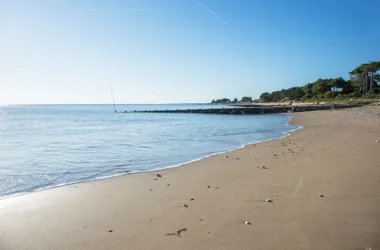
[323, 181]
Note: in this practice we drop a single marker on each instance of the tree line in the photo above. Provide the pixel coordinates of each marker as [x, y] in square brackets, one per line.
[364, 81]
[235, 100]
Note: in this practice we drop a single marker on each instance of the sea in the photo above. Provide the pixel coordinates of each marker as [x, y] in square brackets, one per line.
[44, 146]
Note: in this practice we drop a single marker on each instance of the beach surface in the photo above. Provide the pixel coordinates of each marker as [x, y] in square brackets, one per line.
[323, 181]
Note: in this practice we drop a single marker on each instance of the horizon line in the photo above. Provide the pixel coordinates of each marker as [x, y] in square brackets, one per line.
[29, 104]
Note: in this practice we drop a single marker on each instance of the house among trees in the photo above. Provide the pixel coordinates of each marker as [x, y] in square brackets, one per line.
[336, 89]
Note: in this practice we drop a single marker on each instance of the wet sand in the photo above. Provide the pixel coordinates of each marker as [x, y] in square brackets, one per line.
[205, 204]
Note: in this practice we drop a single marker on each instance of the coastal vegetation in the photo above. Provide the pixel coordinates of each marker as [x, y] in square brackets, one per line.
[363, 82]
[234, 101]
[223, 101]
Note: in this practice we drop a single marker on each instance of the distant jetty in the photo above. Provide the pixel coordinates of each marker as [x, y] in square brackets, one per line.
[251, 110]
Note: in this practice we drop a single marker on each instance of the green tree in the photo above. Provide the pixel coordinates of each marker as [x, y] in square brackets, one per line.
[265, 97]
[246, 99]
[364, 75]
[337, 82]
[321, 86]
[329, 95]
[308, 90]
[276, 96]
[222, 101]
[294, 93]
[372, 69]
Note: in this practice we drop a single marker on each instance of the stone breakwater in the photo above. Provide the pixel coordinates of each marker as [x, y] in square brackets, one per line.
[252, 110]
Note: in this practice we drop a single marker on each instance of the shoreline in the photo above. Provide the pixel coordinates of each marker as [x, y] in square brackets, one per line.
[335, 156]
[286, 134]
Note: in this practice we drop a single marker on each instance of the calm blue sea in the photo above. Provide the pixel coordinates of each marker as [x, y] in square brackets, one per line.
[43, 146]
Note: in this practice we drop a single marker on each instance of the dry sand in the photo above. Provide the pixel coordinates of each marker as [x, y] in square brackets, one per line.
[336, 155]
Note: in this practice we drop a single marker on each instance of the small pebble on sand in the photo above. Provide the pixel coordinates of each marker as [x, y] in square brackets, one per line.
[158, 175]
[192, 199]
[247, 223]
[185, 205]
[321, 196]
[268, 200]
[226, 156]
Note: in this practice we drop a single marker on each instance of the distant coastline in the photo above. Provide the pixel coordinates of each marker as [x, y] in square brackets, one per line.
[363, 84]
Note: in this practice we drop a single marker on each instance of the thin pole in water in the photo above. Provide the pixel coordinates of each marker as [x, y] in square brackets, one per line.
[113, 99]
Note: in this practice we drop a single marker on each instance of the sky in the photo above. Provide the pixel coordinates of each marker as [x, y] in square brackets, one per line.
[177, 51]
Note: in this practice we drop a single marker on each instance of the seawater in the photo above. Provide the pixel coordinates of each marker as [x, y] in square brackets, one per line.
[43, 146]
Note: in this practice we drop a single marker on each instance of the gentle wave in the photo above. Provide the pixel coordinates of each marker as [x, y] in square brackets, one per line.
[48, 187]
[49, 146]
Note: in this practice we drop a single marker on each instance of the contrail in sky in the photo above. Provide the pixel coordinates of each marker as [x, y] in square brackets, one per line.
[213, 13]
[220, 18]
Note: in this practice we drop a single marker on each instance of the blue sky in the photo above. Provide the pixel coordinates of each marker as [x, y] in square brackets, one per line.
[171, 51]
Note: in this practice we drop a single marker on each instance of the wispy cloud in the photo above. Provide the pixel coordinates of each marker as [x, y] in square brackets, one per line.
[220, 18]
[121, 10]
